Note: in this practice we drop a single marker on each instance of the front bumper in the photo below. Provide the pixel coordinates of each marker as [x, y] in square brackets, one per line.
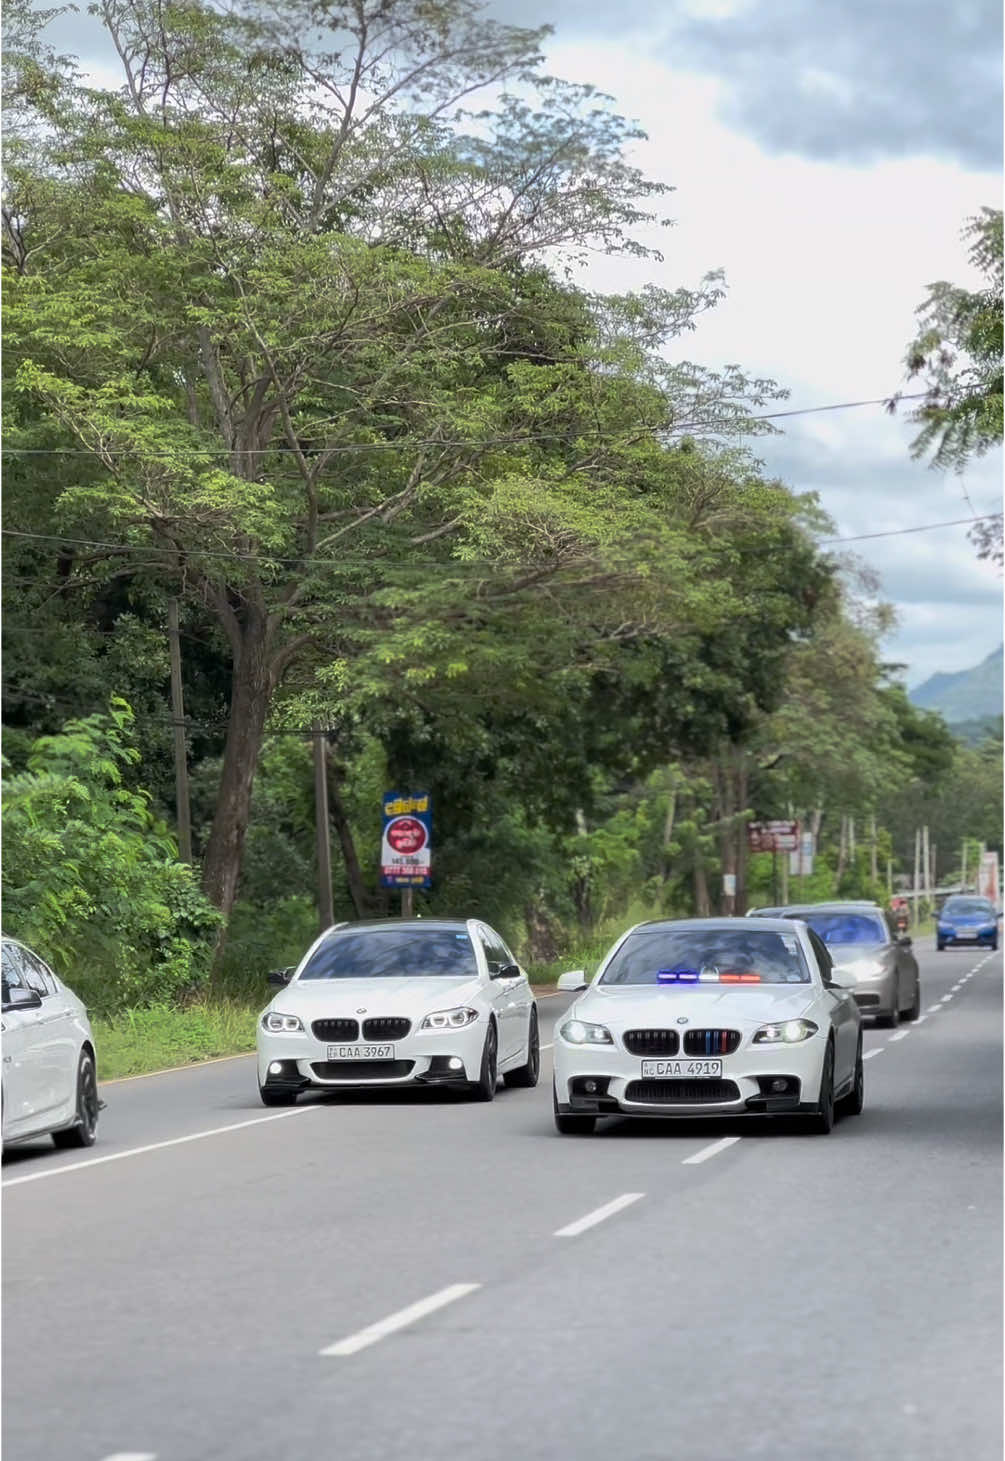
[430, 1058]
[877, 997]
[746, 1086]
[953, 938]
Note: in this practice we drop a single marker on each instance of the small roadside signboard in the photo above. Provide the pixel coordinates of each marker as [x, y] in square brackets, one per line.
[773, 836]
[407, 841]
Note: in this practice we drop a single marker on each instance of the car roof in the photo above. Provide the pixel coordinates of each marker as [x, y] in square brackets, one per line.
[828, 907]
[369, 923]
[777, 925]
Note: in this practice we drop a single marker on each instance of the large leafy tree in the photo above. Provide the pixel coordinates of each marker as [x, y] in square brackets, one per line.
[283, 305]
[958, 354]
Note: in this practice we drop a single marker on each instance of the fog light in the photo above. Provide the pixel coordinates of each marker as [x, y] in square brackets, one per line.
[779, 1085]
[455, 1062]
[276, 1068]
[590, 1087]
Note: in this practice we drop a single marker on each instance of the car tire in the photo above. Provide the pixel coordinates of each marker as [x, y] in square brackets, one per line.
[940, 946]
[85, 1130]
[823, 1121]
[273, 1097]
[994, 946]
[484, 1088]
[525, 1076]
[569, 1125]
[915, 1010]
[851, 1105]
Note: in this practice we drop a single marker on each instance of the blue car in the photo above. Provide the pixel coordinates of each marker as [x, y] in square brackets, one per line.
[967, 920]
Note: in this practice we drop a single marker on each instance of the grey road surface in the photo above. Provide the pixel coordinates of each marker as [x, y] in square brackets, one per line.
[374, 1278]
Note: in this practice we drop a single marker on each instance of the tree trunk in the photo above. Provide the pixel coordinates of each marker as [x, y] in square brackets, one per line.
[842, 852]
[668, 835]
[727, 839]
[250, 693]
[742, 791]
[354, 873]
[702, 907]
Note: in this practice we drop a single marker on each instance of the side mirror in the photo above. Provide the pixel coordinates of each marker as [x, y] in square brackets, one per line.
[572, 981]
[507, 971]
[20, 998]
[282, 976]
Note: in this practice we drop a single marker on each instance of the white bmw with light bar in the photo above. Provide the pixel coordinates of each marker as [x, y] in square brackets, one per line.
[709, 1017]
[400, 1002]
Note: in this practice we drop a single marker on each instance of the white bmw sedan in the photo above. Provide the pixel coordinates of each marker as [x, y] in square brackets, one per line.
[400, 1002]
[50, 1084]
[709, 1017]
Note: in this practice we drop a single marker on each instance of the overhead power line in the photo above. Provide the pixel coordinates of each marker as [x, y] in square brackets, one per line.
[920, 528]
[281, 448]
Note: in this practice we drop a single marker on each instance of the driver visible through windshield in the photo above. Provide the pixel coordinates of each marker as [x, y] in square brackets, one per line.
[845, 928]
[679, 956]
[394, 953]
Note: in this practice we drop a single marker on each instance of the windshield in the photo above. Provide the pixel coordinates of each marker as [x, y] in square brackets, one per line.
[974, 907]
[845, 928]
[740, 956]
[394, 953]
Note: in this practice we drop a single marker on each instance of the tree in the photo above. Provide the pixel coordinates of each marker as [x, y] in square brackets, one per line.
[91, 877]
[958, 352]
[294, 317]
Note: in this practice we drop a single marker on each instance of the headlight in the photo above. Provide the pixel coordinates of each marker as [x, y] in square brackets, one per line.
[454, 1019]
[579, 1032]
[278, 1024]
[788, 1033]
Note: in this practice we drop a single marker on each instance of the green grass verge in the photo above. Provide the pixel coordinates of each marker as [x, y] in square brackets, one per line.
[140, 1041]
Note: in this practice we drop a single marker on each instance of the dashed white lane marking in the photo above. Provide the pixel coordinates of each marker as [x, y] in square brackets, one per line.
[132, 1456]
[946, 999]
[710, 1151]
[921, 1019]
[870, 1053]
[365, 1337]
[900, 1035]
[933, 1009]
[599, 1214]
[548, 1047]
[156, 1146]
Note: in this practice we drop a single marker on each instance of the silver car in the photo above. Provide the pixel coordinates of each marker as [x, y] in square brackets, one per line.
[876, 965]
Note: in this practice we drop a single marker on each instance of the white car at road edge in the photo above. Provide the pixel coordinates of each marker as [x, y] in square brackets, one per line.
[709, 1017]
[49, 1082]
[400, 1002]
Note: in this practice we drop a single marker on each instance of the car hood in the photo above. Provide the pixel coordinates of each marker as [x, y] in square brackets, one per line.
[712, 1006]
[407, 996]
[845, 955]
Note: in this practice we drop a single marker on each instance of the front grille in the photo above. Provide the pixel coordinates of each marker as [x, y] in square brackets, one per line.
[711, 1042]
[362, 1070]
[336, 1029]
[681, 1093]
[386, 1027]
[651, 1042]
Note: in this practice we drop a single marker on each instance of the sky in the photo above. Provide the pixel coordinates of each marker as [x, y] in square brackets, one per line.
[826, 155]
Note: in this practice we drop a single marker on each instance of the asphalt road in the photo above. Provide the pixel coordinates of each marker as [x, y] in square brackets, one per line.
[375, 1278]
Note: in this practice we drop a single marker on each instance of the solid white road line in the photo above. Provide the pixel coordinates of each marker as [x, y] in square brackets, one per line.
[120, 1080]
[400, 1320]
[572, 1230]
[156, 1146]
[900, 1035]
[710, 1151]
[870, 1053]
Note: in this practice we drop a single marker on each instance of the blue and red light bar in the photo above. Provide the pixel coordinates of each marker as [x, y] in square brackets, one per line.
[694, 976]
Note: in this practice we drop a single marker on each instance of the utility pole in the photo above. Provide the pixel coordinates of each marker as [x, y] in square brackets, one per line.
[407, 901]
[917, 871]
[178, 716]
[963, 868]
[322, 830]
[927, 865]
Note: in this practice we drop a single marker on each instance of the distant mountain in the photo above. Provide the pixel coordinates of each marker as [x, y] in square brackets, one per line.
[966, 695]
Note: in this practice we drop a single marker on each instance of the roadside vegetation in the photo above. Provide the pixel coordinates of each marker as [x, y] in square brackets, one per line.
[305, 363]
